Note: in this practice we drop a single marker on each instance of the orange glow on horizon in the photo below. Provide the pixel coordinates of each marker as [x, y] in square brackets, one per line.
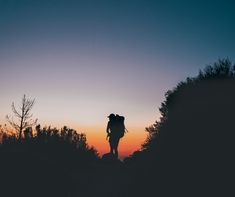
[96, 137]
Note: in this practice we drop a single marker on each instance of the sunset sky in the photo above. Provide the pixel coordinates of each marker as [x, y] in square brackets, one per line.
[83, 60]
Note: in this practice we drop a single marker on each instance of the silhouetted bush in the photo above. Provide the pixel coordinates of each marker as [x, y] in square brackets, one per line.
[191, 147]
[197, 115]
[48, 163]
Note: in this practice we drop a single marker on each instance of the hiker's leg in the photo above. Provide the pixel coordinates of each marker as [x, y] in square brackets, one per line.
[116, 148]
[111, 146]
[111, 149]
[116, 152]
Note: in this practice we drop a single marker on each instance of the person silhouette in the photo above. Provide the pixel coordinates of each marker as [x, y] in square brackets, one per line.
[113, 135]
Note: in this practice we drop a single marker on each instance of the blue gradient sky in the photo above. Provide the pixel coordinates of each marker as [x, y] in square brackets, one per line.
[82, 60]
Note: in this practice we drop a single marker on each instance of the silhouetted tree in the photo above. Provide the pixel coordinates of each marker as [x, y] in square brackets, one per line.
[204, 104]
[23, 115]
[191, 147]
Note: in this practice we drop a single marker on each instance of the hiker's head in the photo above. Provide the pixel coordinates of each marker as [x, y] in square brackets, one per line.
[111, 116]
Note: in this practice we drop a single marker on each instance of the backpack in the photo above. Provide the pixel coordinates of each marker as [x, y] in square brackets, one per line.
[120, 126]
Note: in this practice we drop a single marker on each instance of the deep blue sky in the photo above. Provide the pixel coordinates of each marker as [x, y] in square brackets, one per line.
[82, 60]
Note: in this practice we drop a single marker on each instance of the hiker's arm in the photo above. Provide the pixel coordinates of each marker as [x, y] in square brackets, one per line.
[107, 129]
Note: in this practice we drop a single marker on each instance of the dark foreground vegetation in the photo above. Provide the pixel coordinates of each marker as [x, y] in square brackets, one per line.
[189, 151]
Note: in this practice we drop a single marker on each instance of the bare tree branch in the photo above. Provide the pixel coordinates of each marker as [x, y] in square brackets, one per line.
[22, 115]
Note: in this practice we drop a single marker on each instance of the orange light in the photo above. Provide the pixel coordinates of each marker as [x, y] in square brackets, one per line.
[128, 144]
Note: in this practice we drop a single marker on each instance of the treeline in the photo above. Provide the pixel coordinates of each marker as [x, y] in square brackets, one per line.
[49, 140]
[46, 162]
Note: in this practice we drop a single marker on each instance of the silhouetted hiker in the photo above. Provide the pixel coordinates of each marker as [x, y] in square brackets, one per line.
[115, 130]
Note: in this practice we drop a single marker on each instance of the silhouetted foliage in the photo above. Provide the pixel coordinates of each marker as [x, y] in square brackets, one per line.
[206, 101]
[191, 147]
[45, 163]
[50, 142]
